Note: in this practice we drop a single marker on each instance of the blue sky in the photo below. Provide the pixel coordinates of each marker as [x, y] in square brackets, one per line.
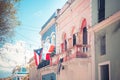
[32, 15]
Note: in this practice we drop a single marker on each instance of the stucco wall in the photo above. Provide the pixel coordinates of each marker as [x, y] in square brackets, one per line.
[73, 17]
[112, 33]
[75, 69]
[33, 73]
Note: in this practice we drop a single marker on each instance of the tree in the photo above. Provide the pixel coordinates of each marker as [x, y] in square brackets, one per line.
[8, 19]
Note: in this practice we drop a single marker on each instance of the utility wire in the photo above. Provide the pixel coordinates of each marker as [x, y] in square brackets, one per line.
[31, 27]
[28, 29]
[27, 38]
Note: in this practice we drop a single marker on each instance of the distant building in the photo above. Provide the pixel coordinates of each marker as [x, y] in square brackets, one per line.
[19, 72]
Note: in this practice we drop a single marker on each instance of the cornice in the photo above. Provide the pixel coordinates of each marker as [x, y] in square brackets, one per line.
[52, 21]
[63, 13]
[115, 17]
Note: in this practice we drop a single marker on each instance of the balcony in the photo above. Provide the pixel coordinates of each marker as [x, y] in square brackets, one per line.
[78, 51]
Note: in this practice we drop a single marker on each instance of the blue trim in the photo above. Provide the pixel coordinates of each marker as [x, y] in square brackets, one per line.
[22, 73]
[48, 32]
[53, 16]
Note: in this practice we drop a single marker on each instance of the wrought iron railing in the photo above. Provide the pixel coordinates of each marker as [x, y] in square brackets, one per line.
[78, 51]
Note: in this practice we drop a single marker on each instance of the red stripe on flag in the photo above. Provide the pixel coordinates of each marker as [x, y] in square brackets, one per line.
[35, 58]
[48, 56]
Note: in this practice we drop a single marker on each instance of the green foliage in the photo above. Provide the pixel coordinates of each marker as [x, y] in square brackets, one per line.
[8, 19]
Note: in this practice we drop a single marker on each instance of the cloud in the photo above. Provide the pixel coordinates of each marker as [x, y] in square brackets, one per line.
[13, 55]
[3, 63]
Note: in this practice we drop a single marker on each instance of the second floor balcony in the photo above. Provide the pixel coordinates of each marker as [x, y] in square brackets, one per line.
[77, 51]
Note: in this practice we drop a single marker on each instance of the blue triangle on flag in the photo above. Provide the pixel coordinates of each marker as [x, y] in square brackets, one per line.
[38, 51]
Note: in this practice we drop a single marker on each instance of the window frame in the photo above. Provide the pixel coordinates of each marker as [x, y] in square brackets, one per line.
[99, 69]
[101, 10]
[74, 40]
[103, 44]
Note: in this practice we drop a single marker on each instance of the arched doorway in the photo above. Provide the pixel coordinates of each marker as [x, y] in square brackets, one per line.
[84, 34]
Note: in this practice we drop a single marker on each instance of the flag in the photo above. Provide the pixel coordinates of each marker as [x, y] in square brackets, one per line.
[37, 55]
[51, 48]
[48, 57]
[47, 50]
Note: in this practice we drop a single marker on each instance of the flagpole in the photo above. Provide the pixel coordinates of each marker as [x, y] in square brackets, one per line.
[25, 56]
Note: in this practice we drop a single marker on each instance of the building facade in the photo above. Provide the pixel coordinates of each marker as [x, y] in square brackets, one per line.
[73, 45]
[33, 73]
[73, 59]
[106, 31]
[87, 41]
[19, 72]
[48, 33]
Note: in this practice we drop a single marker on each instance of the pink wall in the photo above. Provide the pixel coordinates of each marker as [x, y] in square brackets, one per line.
[73, 17]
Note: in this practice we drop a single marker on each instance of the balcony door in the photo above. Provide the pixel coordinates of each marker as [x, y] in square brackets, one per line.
[84, 35]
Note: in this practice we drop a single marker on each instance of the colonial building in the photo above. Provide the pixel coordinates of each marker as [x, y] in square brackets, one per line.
[86, 39]
[105, 33]
[73, 59]
[48, 33]
[73, 45]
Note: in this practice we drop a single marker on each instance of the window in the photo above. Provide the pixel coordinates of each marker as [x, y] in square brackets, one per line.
[53, 38]
[101, 10]
[103, 45]
[65, 45]
[104, 71]
[85, 35]
[85, 39]
[51, 78]
[74, 39]
[43, 78]
[61, 60]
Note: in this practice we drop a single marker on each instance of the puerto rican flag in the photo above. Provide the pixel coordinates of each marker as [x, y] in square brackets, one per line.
[49, 51]
[38, 55]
